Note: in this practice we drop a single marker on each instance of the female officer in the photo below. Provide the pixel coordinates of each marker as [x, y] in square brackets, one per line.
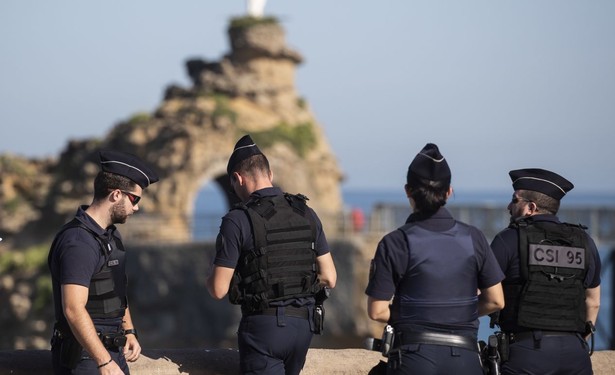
[433, 267]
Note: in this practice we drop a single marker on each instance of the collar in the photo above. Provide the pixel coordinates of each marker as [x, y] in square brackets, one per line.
[87, 220]
[266, 192]
[441, 214]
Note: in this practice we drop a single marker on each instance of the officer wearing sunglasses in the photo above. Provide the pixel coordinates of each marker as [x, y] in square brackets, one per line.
[94, 332]
[552, 284]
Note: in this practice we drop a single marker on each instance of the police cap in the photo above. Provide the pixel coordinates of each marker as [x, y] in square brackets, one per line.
[430, 164]
[244, 148]
[540, 180]
[127, 165]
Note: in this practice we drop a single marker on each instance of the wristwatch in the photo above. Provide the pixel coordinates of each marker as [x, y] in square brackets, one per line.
[131, 331]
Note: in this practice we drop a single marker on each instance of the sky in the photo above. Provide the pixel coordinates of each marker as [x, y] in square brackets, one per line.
[497, 85]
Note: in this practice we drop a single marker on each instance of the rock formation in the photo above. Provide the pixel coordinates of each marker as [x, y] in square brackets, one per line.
[188, 140]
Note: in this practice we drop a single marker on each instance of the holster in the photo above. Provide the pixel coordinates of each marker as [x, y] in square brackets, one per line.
[70, 348]
[113, 341]
[503, 345]
[319, 319]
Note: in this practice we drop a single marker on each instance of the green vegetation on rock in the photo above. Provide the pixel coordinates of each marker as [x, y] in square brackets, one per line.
[139, 117]
[223, 109]
[301, 137]
[29, 260]
[246, 22]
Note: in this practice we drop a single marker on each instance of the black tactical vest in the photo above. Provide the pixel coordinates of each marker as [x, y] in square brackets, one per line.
[107, 290]
[282, 264]
[553, 261]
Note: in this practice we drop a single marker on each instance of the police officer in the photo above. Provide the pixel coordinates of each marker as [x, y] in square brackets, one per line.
[272, 257]
[94, 332]
[552, 284]
[433, 267]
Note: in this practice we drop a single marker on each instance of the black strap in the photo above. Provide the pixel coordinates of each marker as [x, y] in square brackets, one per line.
[297, 312]
[433, 338]
[537, 334]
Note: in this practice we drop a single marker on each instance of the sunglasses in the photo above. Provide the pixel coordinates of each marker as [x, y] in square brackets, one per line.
[134, 199]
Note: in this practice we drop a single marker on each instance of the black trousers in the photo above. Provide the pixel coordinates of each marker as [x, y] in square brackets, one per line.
[557, 355]
[272, 345]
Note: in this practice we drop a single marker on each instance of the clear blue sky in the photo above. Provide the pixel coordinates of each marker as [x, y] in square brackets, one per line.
[497, 85]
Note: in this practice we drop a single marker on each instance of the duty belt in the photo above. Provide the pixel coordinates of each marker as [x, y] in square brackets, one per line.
[433, 338]
[113, 341]
[537, 335]
[297, 312]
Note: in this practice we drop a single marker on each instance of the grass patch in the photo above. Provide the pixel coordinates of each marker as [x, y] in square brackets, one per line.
[222, 109]
[139, 117]
[31, 259]
[300, 137]
[247, 22]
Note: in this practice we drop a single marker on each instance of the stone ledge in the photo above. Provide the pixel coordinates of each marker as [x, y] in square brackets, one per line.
[225, 362]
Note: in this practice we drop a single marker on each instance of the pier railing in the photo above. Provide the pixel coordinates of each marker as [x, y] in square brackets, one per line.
[600, 222]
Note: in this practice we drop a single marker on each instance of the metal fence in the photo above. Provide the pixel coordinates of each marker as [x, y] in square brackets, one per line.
[490, 219]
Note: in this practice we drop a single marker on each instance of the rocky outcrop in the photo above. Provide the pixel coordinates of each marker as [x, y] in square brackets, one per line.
[188, 139]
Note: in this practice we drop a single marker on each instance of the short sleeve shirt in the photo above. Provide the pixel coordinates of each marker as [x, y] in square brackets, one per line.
[76, 256]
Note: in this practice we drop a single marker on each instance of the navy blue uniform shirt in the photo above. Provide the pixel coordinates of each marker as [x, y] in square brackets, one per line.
[77, 256]
[392, 255]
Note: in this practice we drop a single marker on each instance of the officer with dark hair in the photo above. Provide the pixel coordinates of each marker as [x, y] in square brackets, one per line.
[272, 258]
[94, 332]
[433, 268]
[552, 284]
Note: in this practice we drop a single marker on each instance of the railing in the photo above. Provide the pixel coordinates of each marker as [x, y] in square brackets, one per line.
[492, 219]
[383, 218]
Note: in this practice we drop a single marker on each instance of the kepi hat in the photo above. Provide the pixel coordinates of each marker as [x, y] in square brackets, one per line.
[430, 164]
[129, 166]
[540, 180]
[244, 148]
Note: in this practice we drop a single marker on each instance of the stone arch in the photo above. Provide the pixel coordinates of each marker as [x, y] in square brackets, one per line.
[190, 136]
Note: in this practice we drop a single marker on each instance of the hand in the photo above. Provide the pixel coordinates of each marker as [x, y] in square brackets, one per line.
[132, 350]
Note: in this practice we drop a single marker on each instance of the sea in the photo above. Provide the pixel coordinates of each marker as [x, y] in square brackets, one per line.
[210, 207]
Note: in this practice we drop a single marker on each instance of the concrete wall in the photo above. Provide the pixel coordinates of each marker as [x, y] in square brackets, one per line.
[171, 307]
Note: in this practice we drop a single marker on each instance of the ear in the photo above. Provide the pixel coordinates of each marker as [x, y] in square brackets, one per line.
[449, 192]
[270, 175]
[407, 190]
[237, 178]
[115, 195]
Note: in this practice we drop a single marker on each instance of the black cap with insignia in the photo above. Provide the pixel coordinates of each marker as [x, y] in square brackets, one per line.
[244, 148]
[127, 165]
[540, 180]
[430, 164]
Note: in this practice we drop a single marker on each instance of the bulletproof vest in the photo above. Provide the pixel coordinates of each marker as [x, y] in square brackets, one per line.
[440, 282]
[107, 290]
[553, 261]
[282, 264]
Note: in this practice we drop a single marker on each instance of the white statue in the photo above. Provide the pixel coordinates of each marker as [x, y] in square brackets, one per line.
[256, 8]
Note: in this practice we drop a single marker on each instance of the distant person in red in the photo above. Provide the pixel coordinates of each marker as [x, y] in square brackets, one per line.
[358, 219]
